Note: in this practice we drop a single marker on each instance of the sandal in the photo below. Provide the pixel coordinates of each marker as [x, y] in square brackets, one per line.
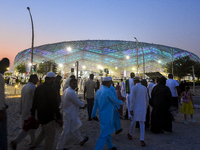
[83, 142]
[129, 136]
[118, 131]
[142, 143]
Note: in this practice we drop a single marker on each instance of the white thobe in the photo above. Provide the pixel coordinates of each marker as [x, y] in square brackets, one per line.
[131, 84]
[150, 88]
[70, 106]
[123, 89]
[139, 102]
[27, 94]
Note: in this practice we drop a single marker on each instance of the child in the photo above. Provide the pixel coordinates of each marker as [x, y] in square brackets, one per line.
[188, 104]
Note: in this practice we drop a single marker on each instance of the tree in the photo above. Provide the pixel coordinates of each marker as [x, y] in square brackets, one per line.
[21, 68]
[181, 67]
[46, 66]
[197, 69]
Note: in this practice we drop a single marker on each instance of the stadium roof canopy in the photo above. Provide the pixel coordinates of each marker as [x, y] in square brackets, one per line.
[94, 55]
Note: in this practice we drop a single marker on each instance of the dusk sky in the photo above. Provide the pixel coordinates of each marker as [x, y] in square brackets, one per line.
[174, 23]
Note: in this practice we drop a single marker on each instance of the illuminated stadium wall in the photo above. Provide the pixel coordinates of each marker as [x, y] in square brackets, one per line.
[94, 55]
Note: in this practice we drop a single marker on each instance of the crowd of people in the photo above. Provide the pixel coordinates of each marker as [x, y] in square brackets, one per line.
[146, 105]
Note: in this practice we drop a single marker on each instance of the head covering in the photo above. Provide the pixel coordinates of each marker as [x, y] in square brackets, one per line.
[51, 74]
[107, 79]
[136, 78]
[151, 80]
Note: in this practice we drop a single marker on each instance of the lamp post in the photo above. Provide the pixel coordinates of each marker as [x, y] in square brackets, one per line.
[172, 63]
[32, 39]
[77, 63]
[143, 57]
[193, 80]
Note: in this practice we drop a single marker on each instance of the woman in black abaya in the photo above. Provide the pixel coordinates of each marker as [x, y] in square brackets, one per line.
[161, 100]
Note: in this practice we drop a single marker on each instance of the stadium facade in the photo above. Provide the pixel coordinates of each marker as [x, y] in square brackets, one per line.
[94, 55]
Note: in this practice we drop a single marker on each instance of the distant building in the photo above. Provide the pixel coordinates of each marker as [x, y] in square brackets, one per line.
[96, 55]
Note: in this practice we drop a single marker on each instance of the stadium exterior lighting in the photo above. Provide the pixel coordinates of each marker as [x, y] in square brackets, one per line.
[69, 49]
[60, 65]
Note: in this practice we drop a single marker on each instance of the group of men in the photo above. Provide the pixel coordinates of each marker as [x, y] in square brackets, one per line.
[45, 99]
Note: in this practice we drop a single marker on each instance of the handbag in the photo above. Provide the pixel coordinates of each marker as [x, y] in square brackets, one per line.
[185, 98]
[30, 123]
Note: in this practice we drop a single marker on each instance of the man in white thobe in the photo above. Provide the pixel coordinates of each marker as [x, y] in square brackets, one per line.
[123, 89]
[129, 85]
[150, 87]
[66, 85]
[139, 102]
[70, 105]
[27, 94]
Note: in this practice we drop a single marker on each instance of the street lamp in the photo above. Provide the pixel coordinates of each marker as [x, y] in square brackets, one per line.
[172, 63]
[32, 38]
[193, 80]
[143, 57]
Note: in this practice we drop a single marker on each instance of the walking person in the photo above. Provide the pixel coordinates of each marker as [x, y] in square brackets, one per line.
[117, 122]
[57, 86]
[139, 101]
[150, 87]
[105, 102]
[174, 88]
[120, 97]
[45, 102]
[4, 64]
[123, 89]
[187, 107]
[161, 101]
[89, 89]
[27, 94]
[66, 84]
[129, 84]
[98, 85]
[147, 124]
[70, 105]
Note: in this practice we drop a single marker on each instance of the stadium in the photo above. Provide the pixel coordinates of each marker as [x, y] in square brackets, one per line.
[94, 56]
